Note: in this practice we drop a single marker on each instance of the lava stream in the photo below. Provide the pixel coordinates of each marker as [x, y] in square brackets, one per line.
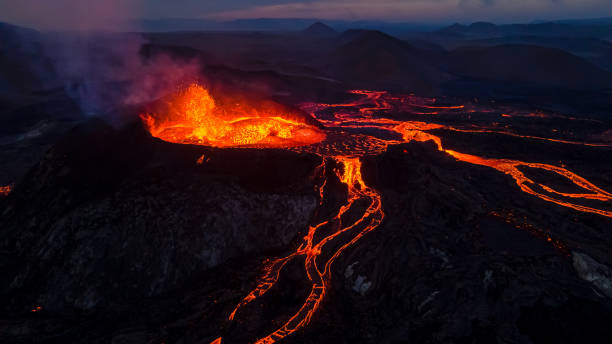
[418, 131]
[319, 278]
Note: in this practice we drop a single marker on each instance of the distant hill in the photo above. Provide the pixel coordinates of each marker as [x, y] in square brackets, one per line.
[601, 30]
[320, 30]
[375, 58]
[350, 35]
[258, 24]
[22, 59]
[591, 21]
[529, 65]
[274, 24]
[594, 50]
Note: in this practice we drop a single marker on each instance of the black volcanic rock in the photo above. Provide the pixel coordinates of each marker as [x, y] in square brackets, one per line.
[114, 235]
[593, 30]
[116, 216]
[320, 30]
[443, 269]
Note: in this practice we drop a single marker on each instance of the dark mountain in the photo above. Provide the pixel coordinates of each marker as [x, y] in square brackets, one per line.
[375, 57]
[258, 24]
[372, 56]
[592, 21]
[11, 34]
[22, 59]
[425, 45]
[542, 29]
[275, 24]
[350, 35]
[596, 51]
[478, 28]
[320, 30]
[529, 65]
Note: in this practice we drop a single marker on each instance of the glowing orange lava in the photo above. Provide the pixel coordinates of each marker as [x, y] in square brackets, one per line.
[419, 132]
[5, 190]
[319, 272]
[349, 136]
[194, 117]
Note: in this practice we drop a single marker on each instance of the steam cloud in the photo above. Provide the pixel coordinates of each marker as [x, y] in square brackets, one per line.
[95, 58]
[103, 71]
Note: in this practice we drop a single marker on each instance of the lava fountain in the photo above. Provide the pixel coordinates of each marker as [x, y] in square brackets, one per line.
[193, 116]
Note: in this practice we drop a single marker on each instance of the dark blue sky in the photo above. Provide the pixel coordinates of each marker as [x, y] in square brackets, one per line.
[85, 13]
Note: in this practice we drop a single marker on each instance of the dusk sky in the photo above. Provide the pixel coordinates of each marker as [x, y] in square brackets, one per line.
[59, 13]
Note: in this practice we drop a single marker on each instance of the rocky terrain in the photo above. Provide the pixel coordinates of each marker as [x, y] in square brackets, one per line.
[112, 235]
[123, 238]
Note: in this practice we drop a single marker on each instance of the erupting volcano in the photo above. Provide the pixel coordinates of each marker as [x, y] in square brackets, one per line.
[352, 130]
[281, 180]
[193, 116]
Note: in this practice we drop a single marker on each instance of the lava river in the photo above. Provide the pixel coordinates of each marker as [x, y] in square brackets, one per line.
[346, 138]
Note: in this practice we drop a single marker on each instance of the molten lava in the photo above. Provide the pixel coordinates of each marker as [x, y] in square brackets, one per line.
[193, 116]
[5, 190]
[317, 271]
[353, 130]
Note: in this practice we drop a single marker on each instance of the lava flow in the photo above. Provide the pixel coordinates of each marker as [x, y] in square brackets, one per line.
[319, 272]
[352, 130]
[352, 117]
[5, 190]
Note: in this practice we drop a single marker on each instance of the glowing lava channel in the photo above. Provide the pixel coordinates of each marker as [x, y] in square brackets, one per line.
[511, 167]
[319, 273]
[418, 131]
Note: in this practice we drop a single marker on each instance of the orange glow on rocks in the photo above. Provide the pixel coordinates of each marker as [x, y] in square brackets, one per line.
[317, 271]
[349, 136]
[5, 190]
[419, 131]
[549, 194]
[193, 116]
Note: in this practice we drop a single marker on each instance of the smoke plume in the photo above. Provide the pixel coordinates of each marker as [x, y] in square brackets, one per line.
[96, 56]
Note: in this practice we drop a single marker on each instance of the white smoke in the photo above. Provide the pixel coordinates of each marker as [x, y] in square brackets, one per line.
[104, 71]
[96, 55]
